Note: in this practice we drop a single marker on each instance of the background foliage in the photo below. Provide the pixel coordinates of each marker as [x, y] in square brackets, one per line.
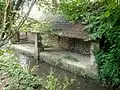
[102, 20]
[36, 26]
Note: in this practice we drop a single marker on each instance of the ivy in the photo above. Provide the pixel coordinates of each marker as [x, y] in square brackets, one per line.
[102, 20]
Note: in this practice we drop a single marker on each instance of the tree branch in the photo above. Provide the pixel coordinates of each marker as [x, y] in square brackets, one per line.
[5, 41]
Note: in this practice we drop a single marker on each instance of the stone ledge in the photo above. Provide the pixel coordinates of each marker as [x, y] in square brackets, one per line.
[69, 66]
[78, 68]
[24, 48]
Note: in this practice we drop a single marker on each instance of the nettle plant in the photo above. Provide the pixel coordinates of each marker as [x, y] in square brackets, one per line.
[34, 25]
[21, 78]
[102, 20]
[18, 77]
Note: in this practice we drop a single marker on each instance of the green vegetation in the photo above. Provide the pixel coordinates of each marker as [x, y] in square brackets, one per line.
[54, 83]
[36, 26]
[102, 20]
[19, 78]
[13, 17]
[9, 18]
[11, 21]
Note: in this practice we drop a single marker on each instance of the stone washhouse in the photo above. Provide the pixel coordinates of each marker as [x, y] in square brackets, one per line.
[71, 47]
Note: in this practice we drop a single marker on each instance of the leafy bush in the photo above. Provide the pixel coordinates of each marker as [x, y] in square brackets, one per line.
[109, 67]
[23, 79]
[102, 21]
[20, 79]
[57, 83]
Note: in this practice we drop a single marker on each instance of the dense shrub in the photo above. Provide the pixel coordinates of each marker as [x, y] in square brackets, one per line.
[102, 21]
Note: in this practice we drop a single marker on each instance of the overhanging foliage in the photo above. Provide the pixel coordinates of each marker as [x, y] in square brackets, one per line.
[102, 21]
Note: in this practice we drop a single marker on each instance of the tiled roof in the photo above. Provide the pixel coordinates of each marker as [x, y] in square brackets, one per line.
[77, 31]
[63, 27]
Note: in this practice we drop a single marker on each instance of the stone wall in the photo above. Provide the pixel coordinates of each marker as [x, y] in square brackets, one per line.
[31, 37]
[50, 40]
[63, 43]
[82, 47]
[75, 45]
[23, 35]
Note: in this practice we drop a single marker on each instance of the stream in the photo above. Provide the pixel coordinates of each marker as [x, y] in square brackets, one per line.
[44, 68]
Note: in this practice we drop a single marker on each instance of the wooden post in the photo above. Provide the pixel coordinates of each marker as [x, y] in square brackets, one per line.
[38, 45]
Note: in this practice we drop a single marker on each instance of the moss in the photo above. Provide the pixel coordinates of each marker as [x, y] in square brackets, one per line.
[72, 68]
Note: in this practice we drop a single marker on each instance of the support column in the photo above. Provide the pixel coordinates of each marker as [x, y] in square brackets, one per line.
[38, 45]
